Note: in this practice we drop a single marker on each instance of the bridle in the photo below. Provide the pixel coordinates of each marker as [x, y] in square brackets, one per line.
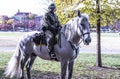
[81, 30]
[82, 33]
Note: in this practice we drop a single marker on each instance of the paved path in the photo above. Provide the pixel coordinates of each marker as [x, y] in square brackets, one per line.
[110, 44]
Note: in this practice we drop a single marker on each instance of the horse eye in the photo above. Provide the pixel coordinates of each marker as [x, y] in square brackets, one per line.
[82, 24]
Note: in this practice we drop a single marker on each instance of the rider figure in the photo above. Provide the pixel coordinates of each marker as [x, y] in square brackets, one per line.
[51, 24]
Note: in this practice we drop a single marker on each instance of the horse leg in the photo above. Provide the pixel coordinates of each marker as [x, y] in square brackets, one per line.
[63, 69]
[29, 65]
[23, 61]
[70, 69]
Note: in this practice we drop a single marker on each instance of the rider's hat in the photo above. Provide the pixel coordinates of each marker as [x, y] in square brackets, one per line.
[52, 6]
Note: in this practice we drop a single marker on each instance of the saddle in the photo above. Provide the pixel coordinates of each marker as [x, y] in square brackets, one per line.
[41, 39]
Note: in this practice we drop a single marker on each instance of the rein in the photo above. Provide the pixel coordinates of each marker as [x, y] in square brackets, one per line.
[85, 33]
[76, 48]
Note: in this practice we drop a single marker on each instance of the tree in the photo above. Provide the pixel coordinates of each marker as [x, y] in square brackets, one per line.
[108, 7]
[99, 61]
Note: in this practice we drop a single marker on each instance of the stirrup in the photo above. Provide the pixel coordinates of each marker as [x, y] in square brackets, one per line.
[53, 55]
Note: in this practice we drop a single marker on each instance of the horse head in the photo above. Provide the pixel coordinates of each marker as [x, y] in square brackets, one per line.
[84, 30]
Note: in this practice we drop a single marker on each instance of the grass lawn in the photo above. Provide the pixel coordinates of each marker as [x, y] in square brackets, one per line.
[84, 68]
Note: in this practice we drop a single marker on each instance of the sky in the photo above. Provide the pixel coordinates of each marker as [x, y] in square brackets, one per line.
[10, 7]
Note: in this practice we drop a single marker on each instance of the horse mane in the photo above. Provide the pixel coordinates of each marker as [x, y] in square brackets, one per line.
[69, 26]
[72, 25]
[85, 15]
[82, 15]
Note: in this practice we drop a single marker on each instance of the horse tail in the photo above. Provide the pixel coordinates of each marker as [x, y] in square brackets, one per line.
[13, 67]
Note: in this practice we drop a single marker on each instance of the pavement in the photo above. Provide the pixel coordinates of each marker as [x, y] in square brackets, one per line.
[109, 44]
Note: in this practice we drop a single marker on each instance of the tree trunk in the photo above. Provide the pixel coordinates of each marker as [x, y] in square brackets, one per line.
[99, 61]
[107, 24]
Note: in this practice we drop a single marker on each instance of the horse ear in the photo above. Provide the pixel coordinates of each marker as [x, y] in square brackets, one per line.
[78, 12]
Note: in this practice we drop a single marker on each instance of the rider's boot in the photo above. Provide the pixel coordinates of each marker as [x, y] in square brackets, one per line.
[51, 48]
[51, 52]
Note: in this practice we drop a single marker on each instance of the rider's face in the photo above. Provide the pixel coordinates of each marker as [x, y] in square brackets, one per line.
[54, 9]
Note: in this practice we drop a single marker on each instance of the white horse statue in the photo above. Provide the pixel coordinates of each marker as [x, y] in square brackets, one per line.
[75, 30]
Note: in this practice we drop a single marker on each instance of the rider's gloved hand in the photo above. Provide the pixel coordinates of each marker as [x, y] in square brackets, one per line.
[44, 29]
[60, 27]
